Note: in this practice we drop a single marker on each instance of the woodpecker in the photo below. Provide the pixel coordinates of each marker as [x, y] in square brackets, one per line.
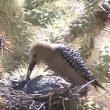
[63, 60]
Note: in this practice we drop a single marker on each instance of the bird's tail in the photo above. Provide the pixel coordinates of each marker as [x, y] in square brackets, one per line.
[97, 84]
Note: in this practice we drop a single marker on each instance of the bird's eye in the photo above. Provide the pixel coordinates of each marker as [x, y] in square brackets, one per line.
[34, 56]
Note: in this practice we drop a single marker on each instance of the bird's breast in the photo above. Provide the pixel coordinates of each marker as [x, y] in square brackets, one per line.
[61, 67]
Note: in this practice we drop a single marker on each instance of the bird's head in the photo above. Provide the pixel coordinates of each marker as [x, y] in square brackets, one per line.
[37, 53]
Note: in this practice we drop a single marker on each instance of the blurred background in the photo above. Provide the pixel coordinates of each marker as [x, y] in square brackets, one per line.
[81, 24]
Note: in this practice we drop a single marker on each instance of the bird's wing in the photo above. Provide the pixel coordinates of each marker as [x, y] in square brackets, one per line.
[74, 59]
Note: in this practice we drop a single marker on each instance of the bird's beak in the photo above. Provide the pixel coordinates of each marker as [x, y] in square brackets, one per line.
[30, 68]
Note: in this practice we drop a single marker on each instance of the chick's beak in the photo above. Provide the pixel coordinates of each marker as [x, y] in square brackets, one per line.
[30, 68]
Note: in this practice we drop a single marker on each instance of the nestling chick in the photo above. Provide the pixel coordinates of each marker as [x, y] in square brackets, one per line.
[62, 60]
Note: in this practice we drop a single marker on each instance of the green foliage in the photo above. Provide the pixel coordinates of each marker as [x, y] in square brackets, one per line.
[92, 16]
[82, 25]
[86, 47]
[32, 4]
[16, 31]
[41, 16]
[103, 67]
[40, 12]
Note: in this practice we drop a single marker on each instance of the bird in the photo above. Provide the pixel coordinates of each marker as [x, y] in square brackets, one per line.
[63, 60]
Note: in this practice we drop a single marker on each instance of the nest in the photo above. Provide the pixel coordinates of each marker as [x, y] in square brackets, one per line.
[40, 93]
